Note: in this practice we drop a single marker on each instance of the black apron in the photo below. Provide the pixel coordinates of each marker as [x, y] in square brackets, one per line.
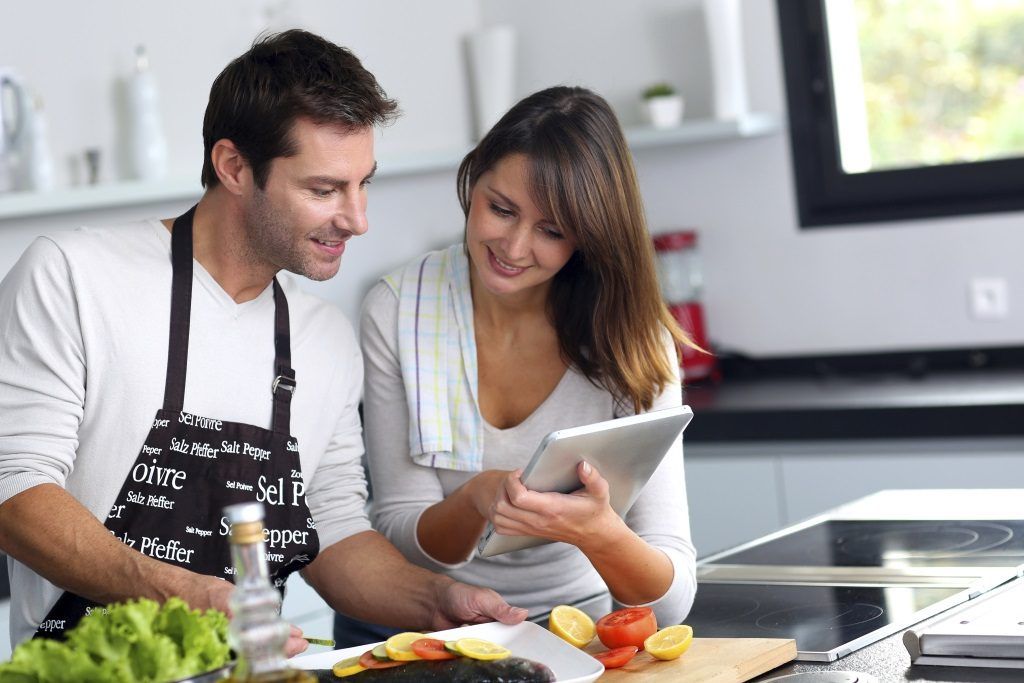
[190, 467]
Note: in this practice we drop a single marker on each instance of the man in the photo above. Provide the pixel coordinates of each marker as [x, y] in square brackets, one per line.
[122, 436]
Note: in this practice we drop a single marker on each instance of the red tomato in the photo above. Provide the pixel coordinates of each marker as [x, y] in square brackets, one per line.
[368, 661]
[613, 659]
[630, 626]
[431, 648]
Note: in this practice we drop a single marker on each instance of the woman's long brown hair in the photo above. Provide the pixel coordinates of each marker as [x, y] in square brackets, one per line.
[605, 303]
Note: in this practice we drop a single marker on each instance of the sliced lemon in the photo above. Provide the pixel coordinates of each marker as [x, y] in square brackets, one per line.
[669, 642]
[475, 648]
[572, 625]
[399, 646]
[347, 667]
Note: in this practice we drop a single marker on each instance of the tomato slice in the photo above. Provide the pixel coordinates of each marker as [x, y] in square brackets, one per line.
[613, 659]
[368, 661]
[630, 626]
[431, 648]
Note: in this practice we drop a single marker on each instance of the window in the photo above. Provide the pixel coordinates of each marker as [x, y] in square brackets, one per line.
[904, 108]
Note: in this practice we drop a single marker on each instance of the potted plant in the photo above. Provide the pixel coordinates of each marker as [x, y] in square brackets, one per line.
[663, 105]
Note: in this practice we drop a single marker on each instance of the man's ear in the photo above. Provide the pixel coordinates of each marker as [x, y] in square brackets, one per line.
[232, 169]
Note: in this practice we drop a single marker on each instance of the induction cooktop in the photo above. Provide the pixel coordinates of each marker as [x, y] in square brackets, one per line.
[827, 622]
[836, 585]
[891, 543]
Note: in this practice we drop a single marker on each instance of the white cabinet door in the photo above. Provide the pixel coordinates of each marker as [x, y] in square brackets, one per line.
[733, 496]
[817, 477]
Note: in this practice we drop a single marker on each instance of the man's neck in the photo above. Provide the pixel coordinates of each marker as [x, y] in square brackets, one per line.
[218, 243]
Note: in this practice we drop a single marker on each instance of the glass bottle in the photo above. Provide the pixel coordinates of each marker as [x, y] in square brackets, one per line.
[257, 632]
[682, 282]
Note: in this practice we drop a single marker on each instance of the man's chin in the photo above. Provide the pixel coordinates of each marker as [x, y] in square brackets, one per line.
[320, 273]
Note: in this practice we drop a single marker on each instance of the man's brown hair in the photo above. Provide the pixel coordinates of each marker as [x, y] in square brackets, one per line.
[257, 98]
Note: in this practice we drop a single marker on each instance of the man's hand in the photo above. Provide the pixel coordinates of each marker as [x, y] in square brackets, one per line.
[460, 603]
[296, 643]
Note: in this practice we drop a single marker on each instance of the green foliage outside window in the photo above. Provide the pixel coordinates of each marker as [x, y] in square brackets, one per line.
[943, 80]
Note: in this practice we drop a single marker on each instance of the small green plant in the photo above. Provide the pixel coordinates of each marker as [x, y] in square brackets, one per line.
[659, 90]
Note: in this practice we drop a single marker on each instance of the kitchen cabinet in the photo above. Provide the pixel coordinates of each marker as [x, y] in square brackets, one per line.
[734, 495]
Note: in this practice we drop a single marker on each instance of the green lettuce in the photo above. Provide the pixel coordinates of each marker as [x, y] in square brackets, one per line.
[138, 640]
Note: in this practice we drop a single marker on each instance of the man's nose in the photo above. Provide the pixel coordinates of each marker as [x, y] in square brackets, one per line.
[351, 213]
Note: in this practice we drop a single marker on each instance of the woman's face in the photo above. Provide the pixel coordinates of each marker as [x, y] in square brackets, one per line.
[512, 245]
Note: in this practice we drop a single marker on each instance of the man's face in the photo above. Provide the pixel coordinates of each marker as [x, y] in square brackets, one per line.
[313, 201]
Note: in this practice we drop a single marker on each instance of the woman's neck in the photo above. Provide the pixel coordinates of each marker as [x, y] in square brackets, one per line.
[514, 310]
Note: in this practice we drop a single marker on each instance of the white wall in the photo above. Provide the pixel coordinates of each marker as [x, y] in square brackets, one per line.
[771, 288]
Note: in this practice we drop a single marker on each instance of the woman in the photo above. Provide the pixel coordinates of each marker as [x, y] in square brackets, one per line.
[547, 317]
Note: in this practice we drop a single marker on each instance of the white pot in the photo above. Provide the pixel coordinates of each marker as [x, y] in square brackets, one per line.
[665, 111]
[725, 39]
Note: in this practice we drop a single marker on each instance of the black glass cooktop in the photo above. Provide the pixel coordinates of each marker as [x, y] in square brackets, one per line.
[820, 618]
[892, 543]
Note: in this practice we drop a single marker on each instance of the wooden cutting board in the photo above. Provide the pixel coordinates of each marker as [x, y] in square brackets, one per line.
[709, 660]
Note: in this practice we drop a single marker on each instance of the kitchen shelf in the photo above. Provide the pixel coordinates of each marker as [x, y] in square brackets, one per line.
[130, 193]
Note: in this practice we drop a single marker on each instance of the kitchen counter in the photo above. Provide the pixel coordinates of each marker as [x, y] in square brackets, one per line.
[888, 659]
[944, 394]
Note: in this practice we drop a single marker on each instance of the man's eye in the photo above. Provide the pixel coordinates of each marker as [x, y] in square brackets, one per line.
[322, 193]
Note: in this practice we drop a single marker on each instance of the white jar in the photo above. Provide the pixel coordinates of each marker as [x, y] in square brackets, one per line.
[147, 147]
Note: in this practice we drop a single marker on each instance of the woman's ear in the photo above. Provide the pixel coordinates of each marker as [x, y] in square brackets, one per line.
[232, 169]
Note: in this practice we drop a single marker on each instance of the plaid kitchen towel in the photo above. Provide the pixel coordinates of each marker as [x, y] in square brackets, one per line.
[437, 352]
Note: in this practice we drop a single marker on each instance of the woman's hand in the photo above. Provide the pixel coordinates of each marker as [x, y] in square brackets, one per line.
[580, 518]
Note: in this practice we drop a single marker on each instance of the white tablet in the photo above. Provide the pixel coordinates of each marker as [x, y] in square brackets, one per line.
[626, 452]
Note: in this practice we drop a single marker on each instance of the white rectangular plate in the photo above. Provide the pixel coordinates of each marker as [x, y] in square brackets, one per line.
[526, 640]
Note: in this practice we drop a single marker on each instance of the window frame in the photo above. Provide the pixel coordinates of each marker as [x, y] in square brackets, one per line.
[827, 195]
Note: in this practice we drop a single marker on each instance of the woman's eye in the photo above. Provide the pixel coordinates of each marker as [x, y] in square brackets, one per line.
[500, 210]
[553, 234]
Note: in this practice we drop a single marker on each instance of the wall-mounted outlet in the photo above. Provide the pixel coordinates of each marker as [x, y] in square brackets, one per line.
[989, 298]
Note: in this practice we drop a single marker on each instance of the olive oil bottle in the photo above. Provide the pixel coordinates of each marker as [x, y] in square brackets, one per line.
[257, 632]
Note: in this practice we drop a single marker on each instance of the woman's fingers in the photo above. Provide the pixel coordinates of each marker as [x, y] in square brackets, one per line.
[593, 483]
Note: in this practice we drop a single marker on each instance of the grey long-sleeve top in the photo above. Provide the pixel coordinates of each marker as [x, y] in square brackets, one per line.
[537, 578]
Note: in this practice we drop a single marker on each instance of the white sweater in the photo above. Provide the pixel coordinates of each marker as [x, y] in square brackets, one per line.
[85, 318]
[537, 578]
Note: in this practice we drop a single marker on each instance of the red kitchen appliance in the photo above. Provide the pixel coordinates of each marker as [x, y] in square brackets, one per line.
[679, 272]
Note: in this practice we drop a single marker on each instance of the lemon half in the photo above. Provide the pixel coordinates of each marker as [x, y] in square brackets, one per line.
[669, 642]
[572, 625]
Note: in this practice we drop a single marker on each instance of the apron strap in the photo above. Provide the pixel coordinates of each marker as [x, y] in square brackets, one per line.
[284, 376]
[181, 308]
[177, 348]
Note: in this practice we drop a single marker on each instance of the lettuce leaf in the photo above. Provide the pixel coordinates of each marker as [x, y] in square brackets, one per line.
[138, 640]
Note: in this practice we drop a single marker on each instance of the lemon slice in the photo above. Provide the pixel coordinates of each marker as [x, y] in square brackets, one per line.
[347, 667]
[572, 625]
[475, 648]
[399, 646]
[669, 642]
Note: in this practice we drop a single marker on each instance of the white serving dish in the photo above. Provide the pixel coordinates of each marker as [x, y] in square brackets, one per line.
[526, 640]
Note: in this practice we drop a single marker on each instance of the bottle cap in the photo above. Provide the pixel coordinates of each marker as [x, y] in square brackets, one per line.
[240, 513]
[674, 241]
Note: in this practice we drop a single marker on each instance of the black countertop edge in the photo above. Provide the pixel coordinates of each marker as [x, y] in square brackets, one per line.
[917, 363]
[717, 426]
